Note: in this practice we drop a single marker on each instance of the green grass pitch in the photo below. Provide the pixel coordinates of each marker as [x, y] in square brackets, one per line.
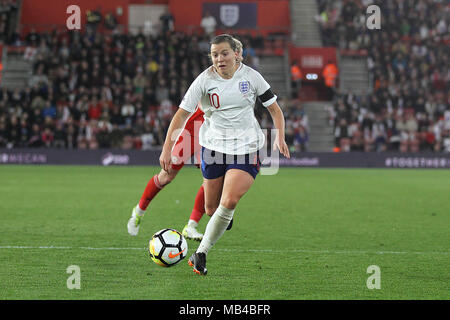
[299, 234]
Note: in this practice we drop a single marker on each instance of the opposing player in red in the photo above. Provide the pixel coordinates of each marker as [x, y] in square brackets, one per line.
[186, 147]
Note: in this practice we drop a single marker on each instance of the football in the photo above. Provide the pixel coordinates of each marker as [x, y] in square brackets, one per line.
[167, 247]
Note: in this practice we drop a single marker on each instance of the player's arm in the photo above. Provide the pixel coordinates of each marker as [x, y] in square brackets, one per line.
[177, 123]
[278, 119]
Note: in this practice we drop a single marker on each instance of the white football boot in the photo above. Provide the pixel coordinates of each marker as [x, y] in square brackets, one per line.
[190, 232]
[134, 222]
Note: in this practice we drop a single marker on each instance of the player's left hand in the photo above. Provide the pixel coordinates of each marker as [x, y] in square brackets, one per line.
[281, 145]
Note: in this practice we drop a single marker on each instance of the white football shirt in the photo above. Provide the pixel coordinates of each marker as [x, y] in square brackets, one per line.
[230, 125]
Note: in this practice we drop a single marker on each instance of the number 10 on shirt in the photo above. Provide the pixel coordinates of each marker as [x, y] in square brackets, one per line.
[214, 100]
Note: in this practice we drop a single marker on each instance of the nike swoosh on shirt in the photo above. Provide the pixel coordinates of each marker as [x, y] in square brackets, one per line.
[211, 89]
[171, 256]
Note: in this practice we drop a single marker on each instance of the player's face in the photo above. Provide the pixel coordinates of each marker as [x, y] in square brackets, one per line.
[224, 59]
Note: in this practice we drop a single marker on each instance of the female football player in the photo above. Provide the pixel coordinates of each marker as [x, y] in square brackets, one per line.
[230, 136]
[186, 146]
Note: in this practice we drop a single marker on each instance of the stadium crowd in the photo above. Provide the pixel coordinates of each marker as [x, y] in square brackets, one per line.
[408, 62]
[112, 89]
[103, 89]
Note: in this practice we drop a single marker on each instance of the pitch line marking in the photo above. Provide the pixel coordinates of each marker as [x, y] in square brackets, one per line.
[235, 250]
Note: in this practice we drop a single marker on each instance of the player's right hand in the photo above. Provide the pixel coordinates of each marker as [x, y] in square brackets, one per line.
[165, 160]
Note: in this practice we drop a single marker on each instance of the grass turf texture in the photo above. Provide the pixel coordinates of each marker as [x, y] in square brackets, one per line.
[300, 234]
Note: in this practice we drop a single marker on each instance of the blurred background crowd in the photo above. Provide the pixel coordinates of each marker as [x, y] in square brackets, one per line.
[408, 62]
[103, 89]
[112, 89]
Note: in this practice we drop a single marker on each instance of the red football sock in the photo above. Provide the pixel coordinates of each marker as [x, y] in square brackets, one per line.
[151, 190]
[199, 205]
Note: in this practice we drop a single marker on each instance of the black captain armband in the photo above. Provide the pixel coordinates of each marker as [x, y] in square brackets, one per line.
[266, 96]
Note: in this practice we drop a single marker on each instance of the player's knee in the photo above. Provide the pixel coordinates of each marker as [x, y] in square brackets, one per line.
[230, 202]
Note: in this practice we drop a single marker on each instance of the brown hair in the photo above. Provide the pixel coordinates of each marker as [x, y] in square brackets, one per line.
[225, 38]
[234, 43]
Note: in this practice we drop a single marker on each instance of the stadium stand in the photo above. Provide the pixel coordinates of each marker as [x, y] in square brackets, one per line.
[408, 62]
[106, 88]
[103, 90]
[110, 89]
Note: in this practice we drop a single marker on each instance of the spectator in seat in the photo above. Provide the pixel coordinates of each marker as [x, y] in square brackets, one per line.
[208, 24]
[167, 21]
[110, 21]
[93, 19]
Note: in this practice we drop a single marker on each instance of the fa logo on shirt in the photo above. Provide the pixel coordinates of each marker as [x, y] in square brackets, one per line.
[244, 86]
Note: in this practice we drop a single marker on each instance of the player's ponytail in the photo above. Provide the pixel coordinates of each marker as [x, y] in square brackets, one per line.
[239, 49]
